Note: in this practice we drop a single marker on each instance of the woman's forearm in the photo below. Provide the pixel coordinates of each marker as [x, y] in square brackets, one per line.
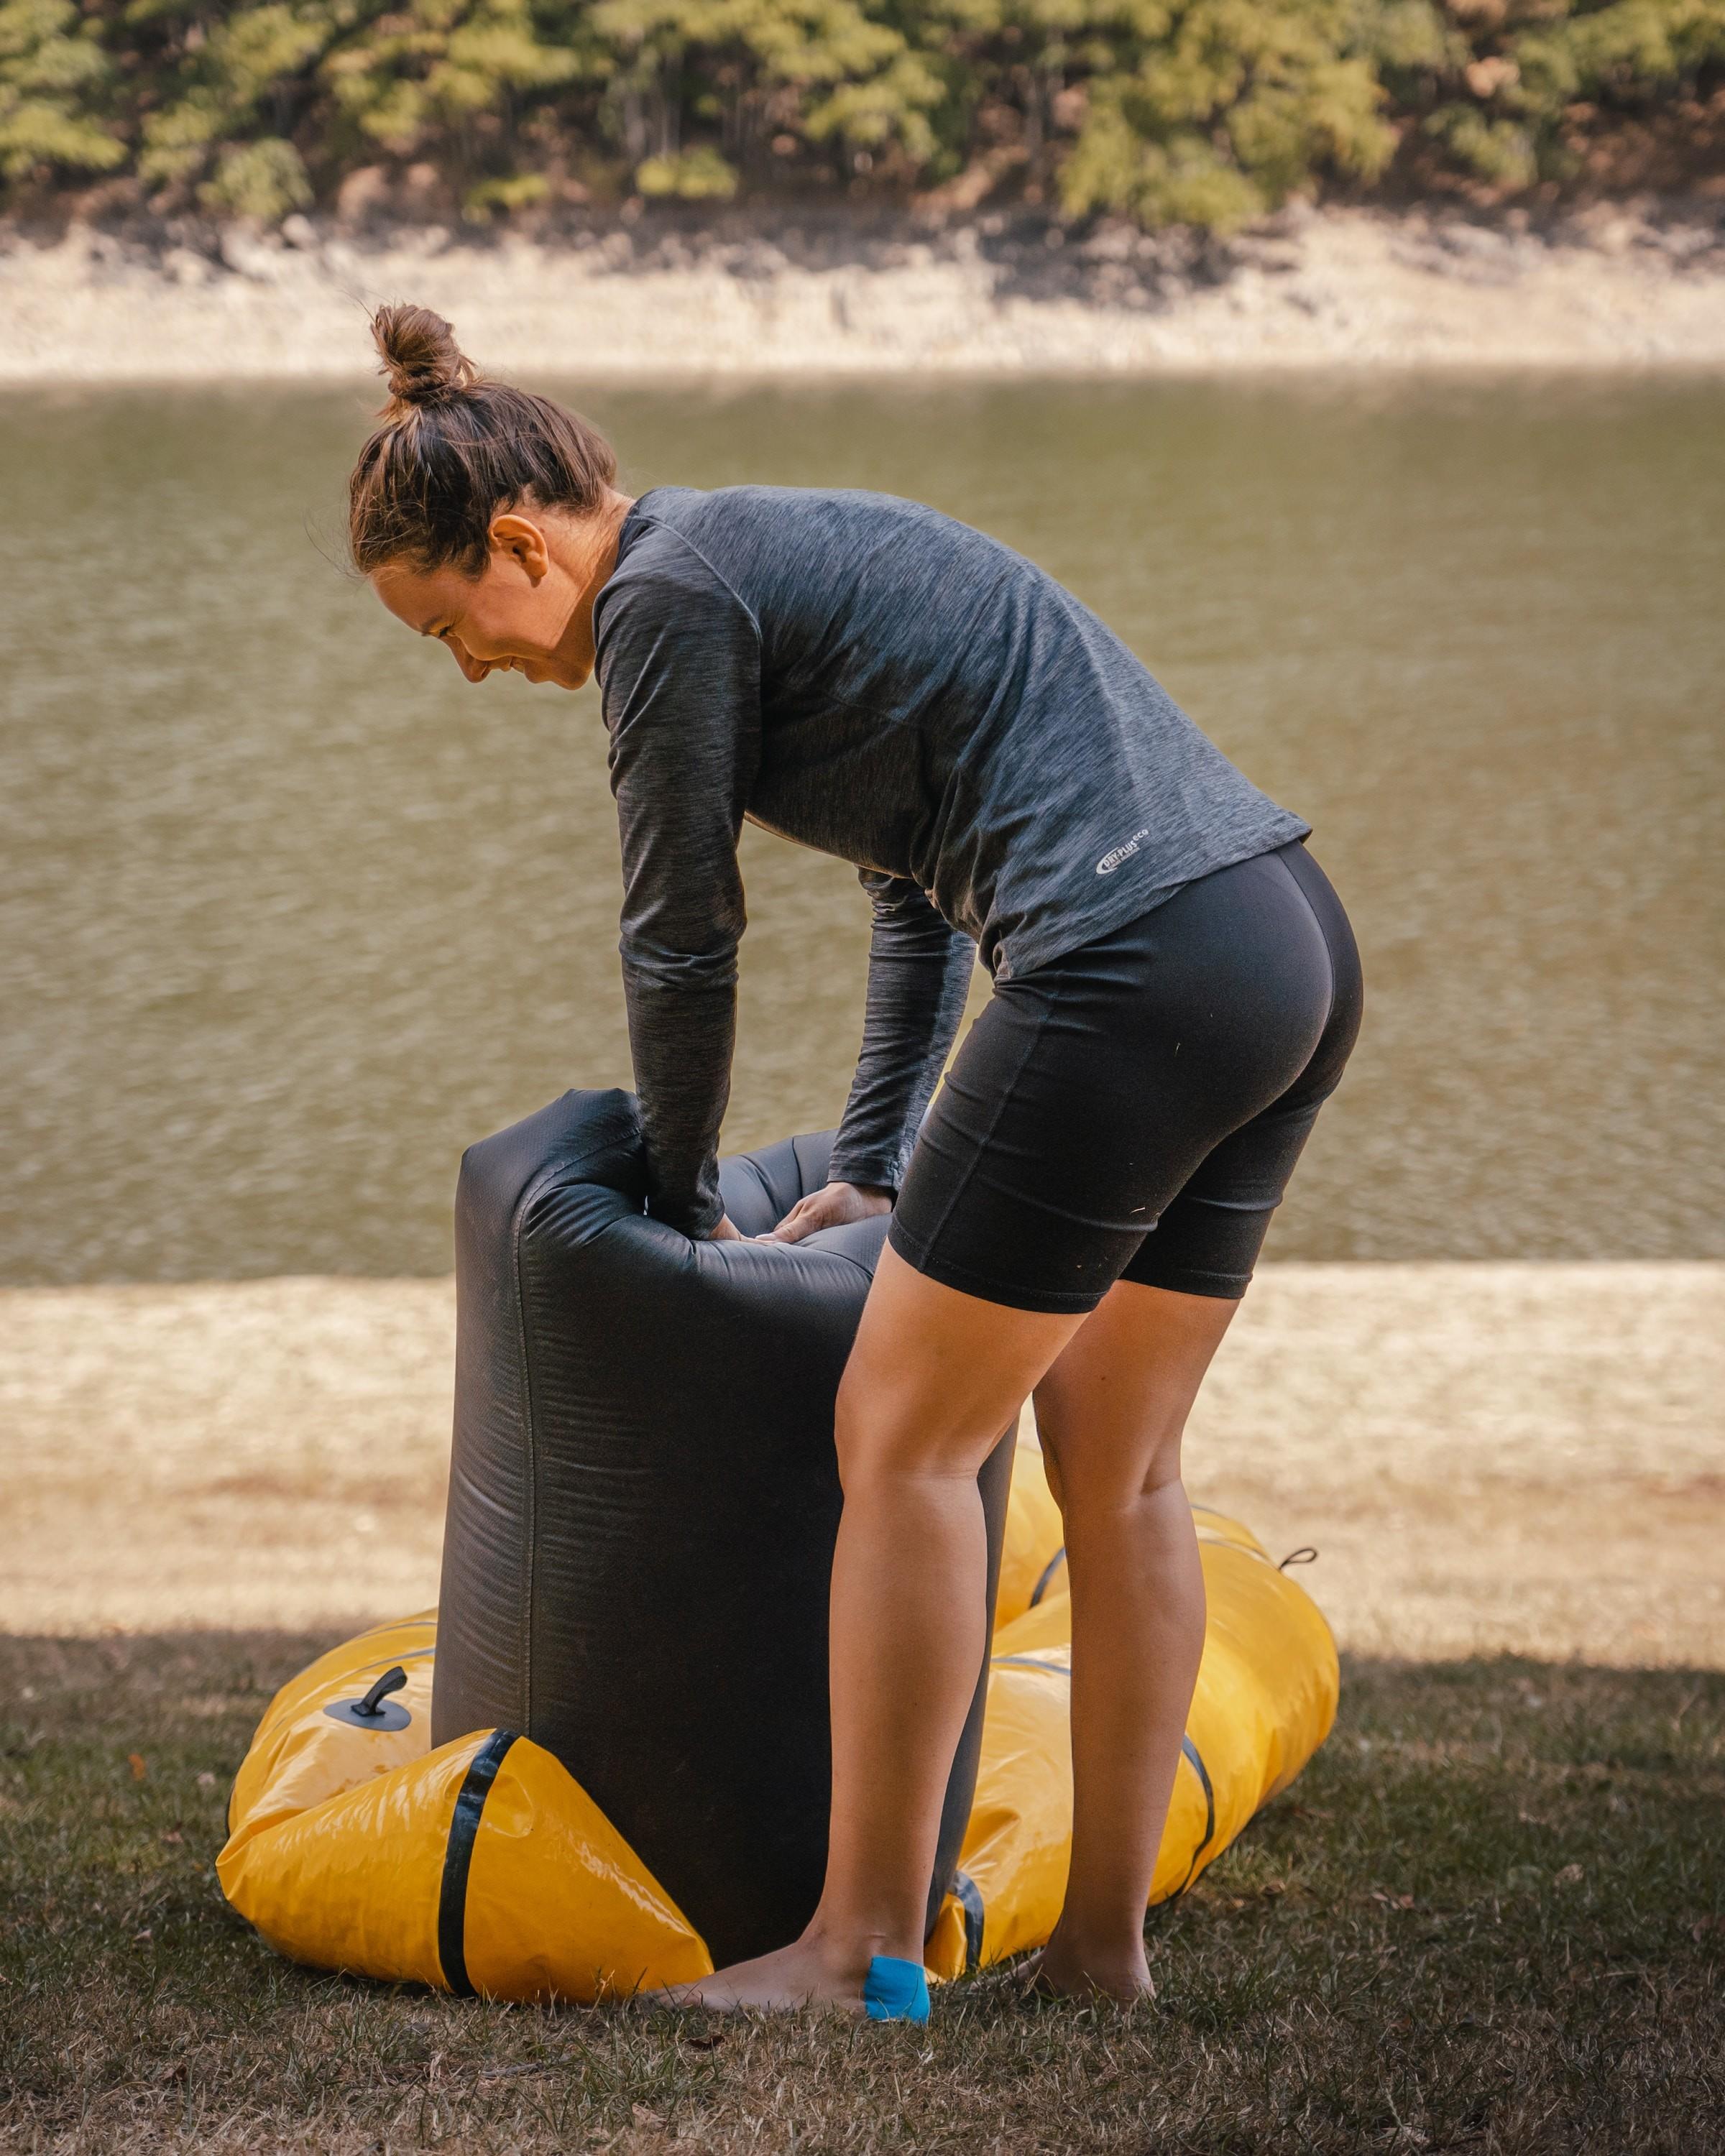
[681, 1038]
[919, 975]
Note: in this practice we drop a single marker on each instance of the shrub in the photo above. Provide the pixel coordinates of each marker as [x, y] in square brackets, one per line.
[1195, 111]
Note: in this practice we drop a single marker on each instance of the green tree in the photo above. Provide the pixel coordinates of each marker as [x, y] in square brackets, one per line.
[1198, 111]
[55, 85]
[1210, 112]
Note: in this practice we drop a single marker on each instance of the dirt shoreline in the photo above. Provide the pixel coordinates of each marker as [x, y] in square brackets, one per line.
[1490, 1457]
[1344, 288]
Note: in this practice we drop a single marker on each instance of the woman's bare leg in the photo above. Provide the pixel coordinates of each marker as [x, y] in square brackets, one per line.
[1110, 1411]
[934, 1377]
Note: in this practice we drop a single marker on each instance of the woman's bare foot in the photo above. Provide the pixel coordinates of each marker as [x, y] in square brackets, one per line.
[1065, 1969]
[808, 1973]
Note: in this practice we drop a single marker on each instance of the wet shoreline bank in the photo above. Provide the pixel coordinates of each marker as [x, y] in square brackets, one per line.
[1341, 289]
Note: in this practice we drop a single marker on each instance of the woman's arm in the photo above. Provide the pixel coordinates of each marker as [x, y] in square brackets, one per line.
[678, 667]
[919, 974]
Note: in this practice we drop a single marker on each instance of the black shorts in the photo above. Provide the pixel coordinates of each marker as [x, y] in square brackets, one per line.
[1133, 1110]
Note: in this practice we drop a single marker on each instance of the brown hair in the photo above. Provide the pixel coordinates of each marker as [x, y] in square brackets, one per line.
[454, 449]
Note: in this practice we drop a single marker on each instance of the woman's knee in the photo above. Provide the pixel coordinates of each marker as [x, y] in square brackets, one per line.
[1092, 1468]
[873, 1434]
[1094, 1500]
[883, 1431]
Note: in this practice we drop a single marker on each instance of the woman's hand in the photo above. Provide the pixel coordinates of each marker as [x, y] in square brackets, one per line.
[725, 1232]
[834, 1207]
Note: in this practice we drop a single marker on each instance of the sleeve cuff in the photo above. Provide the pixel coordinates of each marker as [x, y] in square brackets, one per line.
[696, 1222]
[849, 1167]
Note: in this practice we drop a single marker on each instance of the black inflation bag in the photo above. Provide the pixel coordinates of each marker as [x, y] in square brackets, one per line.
[644, 1497]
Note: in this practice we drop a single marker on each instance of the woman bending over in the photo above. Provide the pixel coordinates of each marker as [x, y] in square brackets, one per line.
[1175, 992]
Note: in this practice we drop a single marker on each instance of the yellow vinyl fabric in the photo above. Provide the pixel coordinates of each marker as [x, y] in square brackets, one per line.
[480, 1866]
[299, 1756]
[1031, 1554]
[483, 1866]
[1266, 1695]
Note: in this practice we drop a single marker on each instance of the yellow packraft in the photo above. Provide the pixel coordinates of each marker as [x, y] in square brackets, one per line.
[482, 1866]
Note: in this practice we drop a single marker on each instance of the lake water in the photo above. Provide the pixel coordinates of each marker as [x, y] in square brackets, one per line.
[289, 914]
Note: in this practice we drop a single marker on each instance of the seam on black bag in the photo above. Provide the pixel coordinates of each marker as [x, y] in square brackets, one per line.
[547, 1178]
[458, 1859]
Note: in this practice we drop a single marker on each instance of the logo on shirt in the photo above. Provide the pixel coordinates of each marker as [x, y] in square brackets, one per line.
[1110, 862]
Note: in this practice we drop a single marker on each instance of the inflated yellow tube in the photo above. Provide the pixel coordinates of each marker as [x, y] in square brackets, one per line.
[481, 1867]
[484, 1867]
[1266, 1700]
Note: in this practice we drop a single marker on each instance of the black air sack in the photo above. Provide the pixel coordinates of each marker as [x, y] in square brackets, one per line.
[643, 1503]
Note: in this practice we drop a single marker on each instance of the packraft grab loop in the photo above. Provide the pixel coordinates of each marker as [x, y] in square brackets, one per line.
[372, 1713]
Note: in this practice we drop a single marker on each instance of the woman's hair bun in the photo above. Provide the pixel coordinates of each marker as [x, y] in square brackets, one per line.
[422, 361]
[450, 448]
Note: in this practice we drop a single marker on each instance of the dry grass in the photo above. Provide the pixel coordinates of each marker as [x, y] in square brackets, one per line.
[1490, 1917]
[1491, 1457]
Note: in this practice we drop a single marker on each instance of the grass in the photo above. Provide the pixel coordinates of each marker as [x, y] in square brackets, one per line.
[1489, 1917]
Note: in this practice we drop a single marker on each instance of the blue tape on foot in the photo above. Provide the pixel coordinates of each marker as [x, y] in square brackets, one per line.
[896, 1990]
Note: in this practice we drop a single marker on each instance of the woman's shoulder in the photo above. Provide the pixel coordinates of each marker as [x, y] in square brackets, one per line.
[697, 511]
[668, 573]
[665, 544]
[763, 539]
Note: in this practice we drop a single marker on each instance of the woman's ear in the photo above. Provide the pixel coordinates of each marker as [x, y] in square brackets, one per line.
[522, 542]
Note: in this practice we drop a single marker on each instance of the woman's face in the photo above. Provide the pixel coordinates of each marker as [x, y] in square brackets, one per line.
[529, 611]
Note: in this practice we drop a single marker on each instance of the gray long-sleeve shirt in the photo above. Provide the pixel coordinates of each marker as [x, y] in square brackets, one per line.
[885, 684]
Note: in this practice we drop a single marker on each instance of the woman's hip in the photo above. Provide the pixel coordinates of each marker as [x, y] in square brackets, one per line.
[1089, 1092]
